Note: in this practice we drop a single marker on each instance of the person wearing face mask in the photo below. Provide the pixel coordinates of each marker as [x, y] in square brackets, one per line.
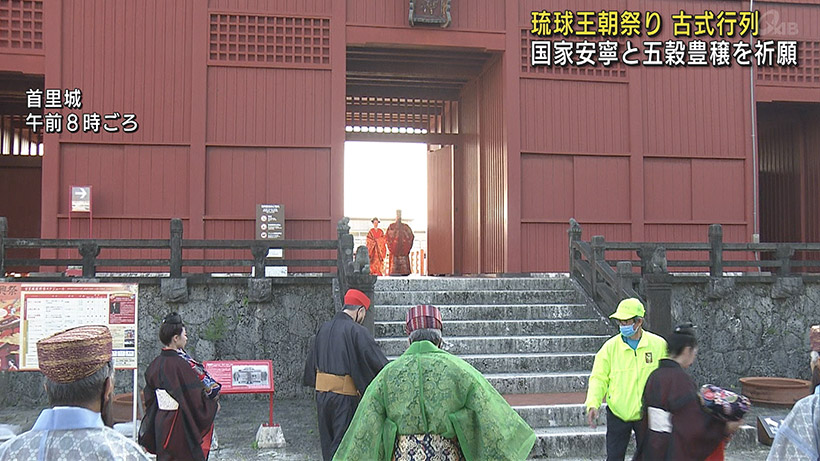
[342, 362]
[80, 386]
[180, 400]
[674, 422]
[619, 373]
[431, 405]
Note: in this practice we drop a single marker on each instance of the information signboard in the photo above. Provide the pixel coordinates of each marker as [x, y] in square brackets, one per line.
[81, 199]
[32, 311]
[270, 222]
[242, 376]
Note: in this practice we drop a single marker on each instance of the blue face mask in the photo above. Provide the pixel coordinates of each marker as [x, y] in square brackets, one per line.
[628, 330]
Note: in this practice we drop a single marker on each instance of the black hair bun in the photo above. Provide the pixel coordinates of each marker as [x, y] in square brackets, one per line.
[685, 329]
[173, 317]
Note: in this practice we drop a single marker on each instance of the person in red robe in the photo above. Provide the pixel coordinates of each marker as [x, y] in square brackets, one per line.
[376, 248]
[399, 241]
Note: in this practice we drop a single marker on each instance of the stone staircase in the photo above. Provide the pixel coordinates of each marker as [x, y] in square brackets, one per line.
[533, 338]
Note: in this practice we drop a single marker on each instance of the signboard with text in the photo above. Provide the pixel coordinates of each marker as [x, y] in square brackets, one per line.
[270, 222]
[242, 376]
[81, 199]
[32, 311]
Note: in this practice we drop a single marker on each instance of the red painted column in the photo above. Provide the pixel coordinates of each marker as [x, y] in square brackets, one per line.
[52, 42]
[512, 137]
[636, 158]
[338, 79]
[195, 229]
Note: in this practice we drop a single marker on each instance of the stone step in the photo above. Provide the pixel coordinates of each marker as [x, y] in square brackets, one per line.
[572, 442]
[522, 363]
[449, 297]
[558, 415]
[503, 327]
[494, 312]
[538, 382]
[386, 284]
[587, 443]
[463, 345]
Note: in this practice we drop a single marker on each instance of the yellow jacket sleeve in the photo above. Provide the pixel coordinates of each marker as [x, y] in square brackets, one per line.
[599, 378]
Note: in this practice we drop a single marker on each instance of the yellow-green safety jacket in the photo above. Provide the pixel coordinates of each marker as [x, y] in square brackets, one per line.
[620, 373]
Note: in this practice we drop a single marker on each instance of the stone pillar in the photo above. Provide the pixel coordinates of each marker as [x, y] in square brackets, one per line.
[716, 250]
[574, 233]
[176, 248]
[365, 283]
[89, 252]
[659, 303]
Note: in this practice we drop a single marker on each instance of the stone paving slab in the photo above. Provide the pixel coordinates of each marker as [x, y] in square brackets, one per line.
[237, 422]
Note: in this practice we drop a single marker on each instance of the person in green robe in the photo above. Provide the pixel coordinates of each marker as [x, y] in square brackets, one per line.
[430, 403]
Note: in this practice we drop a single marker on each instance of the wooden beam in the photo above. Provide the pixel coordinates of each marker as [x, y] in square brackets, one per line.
[402, 91]
[430, 138]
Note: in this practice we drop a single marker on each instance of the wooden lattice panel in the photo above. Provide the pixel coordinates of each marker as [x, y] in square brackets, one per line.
[270, 40]
[21, 24]
[433, 115]
[807, 72]
[616, 70]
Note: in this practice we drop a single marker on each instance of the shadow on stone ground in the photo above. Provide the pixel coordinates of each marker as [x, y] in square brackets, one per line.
[240, 417]
[236, 426]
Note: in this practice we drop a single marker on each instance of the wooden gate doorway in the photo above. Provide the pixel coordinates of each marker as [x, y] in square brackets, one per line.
[21, 151]
[789, 173]
[450, 99]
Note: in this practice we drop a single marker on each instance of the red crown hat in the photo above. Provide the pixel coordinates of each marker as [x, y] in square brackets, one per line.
[423, 316]
[354, 297]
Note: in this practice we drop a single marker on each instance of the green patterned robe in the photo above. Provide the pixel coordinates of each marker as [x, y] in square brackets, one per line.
[430, 391]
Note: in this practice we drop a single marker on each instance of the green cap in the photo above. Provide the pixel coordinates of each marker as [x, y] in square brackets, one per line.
[629, 308]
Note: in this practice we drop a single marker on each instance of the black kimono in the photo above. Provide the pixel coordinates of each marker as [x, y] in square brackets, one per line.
[675, 423]
[342, 347]
[176, 434]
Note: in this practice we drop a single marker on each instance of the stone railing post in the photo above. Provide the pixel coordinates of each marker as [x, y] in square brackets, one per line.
[344, 256]
[624, 271]
[574, 233]
[260, 253]
[658, 294]
[598, 257]
[365, 283]
[657, 288]
[716, 250]
[784, 254]
[645, 253]
[4, 232]
[176, 248]
[89, 252]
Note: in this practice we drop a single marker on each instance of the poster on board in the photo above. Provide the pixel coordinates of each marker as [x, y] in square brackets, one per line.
[9, 326]
[32, 311]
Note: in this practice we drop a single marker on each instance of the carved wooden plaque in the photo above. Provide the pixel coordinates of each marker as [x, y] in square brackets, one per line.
[430, 12]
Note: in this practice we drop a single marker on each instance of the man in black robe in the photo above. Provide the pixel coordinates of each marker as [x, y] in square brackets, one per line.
[343, 360]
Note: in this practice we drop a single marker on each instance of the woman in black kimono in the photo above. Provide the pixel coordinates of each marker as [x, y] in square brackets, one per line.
[181, 400]
[675, 423]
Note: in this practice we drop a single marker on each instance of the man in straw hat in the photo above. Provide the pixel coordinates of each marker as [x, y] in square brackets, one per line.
[80, 387]
[343, 361]
[430, 404]
[619, 372]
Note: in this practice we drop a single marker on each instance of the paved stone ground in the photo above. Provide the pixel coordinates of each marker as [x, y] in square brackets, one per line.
[240, 417]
